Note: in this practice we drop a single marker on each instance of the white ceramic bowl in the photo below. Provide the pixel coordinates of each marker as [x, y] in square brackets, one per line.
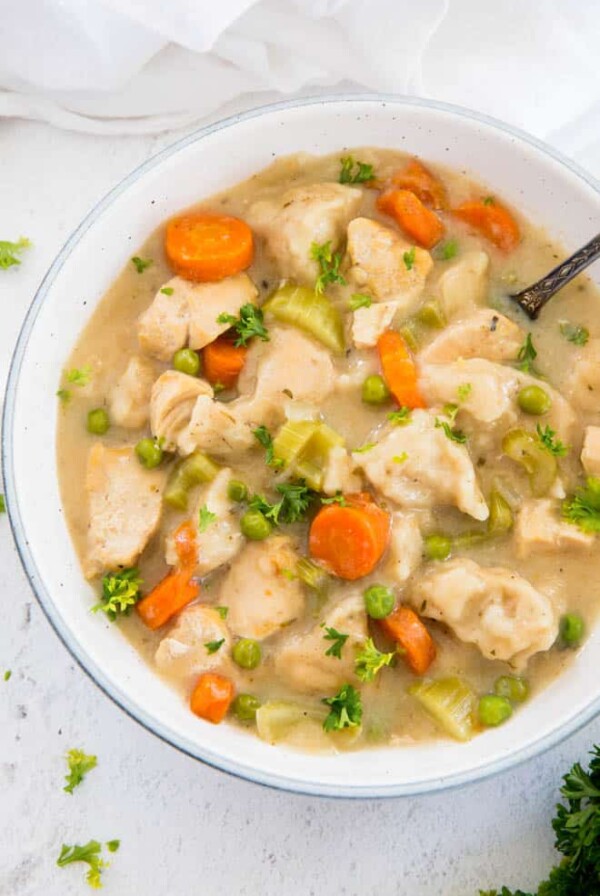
[544, 186]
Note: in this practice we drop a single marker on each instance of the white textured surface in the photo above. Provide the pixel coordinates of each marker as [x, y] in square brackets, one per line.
[186, 829]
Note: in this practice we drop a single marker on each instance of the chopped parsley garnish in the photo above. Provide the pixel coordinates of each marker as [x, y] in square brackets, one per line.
[527, 355]
[455, 435]
[345, 709]
[141, 264]
[447, 250]
[338, 639]
[583, 509]
[364, 448]
[213, 646]
[113, 845]
[329, 264]
[550, 443]
[295, 502]
[88, 853]
[463, 391]
[369, 661]
[205, 518]
[222, 611]
[264, 438]
[80, 764]
[400, 417]
[400, 458]
[9, 252]
[489, 200]
[167, 290]
[64, 395]
[348, 175]
[409, 259]
[2, 504]
[338, 498]
[7, 674]
[359, 300]
[120, 592]
[574, 333]
[248, 325]
[79, 376]
[451, 410]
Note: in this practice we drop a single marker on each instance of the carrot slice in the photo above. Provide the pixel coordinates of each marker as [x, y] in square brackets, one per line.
[492, 220]
[212, 696]
[186, 548]
[352, 539]
[170, 596]
[423, 183]
[223, 361]
[207, 247]
[409, 632]
[399, 369]
[418, 221]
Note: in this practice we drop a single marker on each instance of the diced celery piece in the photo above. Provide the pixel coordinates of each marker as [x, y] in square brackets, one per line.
[451, 702]
[501, 519]
[527, 450]
[411, 333]
[189, 472]
[313, 576]
[309, 311]
[292, 438]
[431, 315]
[285, 720]
[304, 446]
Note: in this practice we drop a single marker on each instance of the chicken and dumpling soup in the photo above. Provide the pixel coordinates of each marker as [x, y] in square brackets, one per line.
[323, 473]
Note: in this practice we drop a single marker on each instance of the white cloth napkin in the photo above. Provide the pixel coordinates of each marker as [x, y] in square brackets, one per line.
[144, 66]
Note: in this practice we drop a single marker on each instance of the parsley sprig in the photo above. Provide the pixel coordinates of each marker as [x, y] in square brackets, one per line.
[369, 661]
[338, 640]
[527, 355]
[401, 417]
[264, 438]
[583, 509]
[329, 264]
[80, 764]
[295, 502]
[90, 853]
[140, 264]
[120, 592]
[574, 333]
[205, 518]
[345, 709]
[248, 325]
[547, 436]
[348, 174]
[9, 252]
[455, 435]
[359, 300]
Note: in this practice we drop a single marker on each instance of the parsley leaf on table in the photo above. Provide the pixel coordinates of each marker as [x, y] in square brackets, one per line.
[80, 764]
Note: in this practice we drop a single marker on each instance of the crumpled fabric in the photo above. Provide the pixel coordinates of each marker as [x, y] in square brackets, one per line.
[146, 66]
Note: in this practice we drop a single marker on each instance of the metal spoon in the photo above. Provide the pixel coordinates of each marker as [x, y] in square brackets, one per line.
[534, 297]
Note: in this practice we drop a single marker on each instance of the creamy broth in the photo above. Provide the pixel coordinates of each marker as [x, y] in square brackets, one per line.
[390, 714]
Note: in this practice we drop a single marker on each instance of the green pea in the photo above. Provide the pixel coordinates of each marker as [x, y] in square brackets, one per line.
[255, 525]
[244, 707]
[149, 453]
[98, 422]
[379, 601]
[247, 653]
[534, 400]
[438, 547]
[512, 687]
[572, 629]
[374, 390]
[186, 360]
[237, 490]
[493, 710]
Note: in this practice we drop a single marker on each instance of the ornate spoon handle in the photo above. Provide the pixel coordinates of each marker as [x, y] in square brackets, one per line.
[534, 297]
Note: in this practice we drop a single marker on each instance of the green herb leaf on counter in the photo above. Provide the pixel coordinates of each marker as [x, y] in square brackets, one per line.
[213, 646]
[550, 443]
[248, 325]
[2, 504]
[141, 264]
[338, 639]
[345, 709]
[409, 259]
[120, 592]
[7, 675]
[113, 845]
[88, 853]
[359, 300]
[80, 764]
[205, 518]
[583, 509]
[9, 252]
[369, 661]
[363, 173]
[329, 263]
[574, 333]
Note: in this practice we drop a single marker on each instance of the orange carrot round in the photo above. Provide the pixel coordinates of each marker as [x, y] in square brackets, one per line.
[492, 220]
[419, 180]
[405, 628]
[399, 369]
[170, 596]
[212, 696]
[223, 361]
[207, 247]
[352, 539]
[418, 221]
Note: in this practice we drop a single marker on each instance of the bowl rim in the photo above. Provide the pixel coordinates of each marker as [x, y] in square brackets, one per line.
[41, 593]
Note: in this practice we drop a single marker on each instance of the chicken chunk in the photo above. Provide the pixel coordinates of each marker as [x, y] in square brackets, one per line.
[221, 540]
[125, 504]
[405, 553]
[182, 653]
[307, 214]
[378, 265]
[129, 403]
[187, 313]
[260, 597]
[583, 385]
[172, 403]
[484, 334]
[539, 529]
[301, 661]
[493, 608]
[417, 465]
[339, 473]
[463, 287]
[369, 323]
[216, 428]
[590, 456]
